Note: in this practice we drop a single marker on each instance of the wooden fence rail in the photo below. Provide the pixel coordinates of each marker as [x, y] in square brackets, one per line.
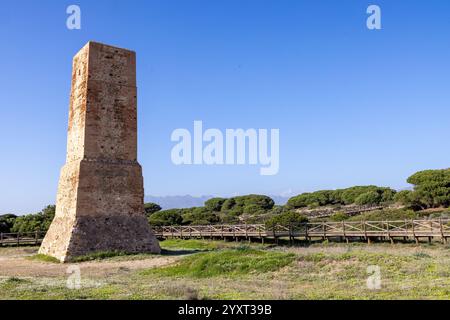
[346, 230]
[26, 238]
[356, 230]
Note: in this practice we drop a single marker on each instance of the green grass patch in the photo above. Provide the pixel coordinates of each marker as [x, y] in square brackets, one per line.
[191, 244]
[105, 292]
[204, 245]
[420, 255]
[12, 283]
[44, 258]
[115, 255]
[314, 257]
[100, 255]
[15, 280]
[230, 262]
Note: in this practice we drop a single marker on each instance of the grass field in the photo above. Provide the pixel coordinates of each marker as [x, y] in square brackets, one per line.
[197, 269]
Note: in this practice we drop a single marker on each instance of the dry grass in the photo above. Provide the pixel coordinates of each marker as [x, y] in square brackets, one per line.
[325, 271]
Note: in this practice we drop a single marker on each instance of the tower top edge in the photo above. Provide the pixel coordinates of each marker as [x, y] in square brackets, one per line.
[95, 44]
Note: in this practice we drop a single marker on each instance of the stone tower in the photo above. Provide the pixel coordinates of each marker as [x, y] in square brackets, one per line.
[99, 205]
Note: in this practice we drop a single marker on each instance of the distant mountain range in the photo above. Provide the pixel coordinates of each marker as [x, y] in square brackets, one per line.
[188, 201]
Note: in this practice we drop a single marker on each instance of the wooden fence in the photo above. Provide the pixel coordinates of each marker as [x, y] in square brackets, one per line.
[346, 230]
[354, 230]
[27, 238]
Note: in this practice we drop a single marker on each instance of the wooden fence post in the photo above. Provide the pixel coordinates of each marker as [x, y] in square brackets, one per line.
[274, 235]
[406, 230]
[290, 233]
[414, 232]
[389, 232]
[365, 231]
[431, 232]
[324, 231]
[246, 230]
[443, 239]
[343, 231]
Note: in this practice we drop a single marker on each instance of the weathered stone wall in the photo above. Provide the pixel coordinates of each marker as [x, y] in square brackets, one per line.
[100, 194]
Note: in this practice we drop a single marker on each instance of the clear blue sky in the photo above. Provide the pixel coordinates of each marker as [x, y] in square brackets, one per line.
[353, 106]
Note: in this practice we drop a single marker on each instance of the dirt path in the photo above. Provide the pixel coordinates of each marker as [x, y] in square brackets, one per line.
[15, 262]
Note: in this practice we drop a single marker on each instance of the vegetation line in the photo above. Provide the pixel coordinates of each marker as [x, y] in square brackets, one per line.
[429, 198]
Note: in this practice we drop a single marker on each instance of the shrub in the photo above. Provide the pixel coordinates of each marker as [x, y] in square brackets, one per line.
[431, 189]
[214, 204]
[253, 209]
[199, 216]
[368, 198]
[35, 222]
[166, 217]
[350, 195]
[387, 214]
[263, 202]
[339, 216]
[403, 197]
[300, 201]
[228, 204]
[342, 197]
[228, 218]
[249, 204]
[7, 222]
[289, 218]
[151, 208]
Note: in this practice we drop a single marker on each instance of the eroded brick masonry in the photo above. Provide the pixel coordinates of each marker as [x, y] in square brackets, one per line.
[99, 205]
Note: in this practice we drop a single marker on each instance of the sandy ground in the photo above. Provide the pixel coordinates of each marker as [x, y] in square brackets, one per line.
[14, 262]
